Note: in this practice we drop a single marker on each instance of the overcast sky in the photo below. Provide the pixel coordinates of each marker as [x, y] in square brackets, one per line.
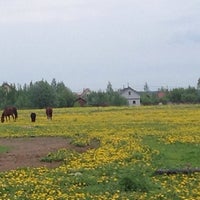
[88, 43]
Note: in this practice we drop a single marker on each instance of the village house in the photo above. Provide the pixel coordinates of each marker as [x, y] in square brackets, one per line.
[81, 98]
[6, 87]
[131, 95]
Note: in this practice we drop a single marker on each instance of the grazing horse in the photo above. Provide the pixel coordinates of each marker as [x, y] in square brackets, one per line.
[33, 117]
[49, 112]
[9, 111]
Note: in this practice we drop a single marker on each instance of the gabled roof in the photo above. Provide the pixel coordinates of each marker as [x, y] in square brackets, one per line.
[84, 93]
[128, 88]
[6, 86]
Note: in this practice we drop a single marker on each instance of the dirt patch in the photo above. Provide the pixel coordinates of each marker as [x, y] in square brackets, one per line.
[27, 152]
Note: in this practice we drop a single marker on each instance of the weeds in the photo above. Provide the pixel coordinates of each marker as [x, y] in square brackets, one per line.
[60, 155]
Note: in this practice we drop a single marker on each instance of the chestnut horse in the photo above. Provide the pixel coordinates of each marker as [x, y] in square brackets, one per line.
[49, 112]
[9, 111]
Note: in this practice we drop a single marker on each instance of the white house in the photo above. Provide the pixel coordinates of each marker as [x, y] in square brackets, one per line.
[131, 95]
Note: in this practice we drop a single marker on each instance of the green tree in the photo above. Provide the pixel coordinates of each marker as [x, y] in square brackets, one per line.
[198, 85]
[98, 98]
[149, 98]
[109, 88]
[181, 95]
[23, 100]
[146, 87]
[65, 97]
[42, 95]
[117, 100]
[190, 95]
[2, 97]
[176, 95]
[110, 97]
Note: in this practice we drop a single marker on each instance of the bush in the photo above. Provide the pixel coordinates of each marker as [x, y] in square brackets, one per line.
[135, 180]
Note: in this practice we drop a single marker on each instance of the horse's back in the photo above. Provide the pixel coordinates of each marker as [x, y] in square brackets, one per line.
[13, 110]
[9, 111]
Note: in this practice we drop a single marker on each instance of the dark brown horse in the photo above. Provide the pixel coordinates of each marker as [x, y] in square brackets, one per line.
[9, 111]
[33, 116]
[49, 112]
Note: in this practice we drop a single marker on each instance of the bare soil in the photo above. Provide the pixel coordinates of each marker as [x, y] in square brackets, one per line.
[27, 152]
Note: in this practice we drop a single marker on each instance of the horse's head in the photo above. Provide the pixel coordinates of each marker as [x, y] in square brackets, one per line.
[2, 118]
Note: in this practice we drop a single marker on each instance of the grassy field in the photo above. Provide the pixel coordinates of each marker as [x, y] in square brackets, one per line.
[3, 149]
[132, 144]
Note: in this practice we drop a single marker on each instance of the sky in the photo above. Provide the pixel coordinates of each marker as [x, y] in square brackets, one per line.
[88, 43]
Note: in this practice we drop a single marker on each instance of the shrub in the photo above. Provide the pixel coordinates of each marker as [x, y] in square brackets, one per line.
[134, 180]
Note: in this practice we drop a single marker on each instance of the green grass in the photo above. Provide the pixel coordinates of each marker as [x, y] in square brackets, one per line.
[115, 134]
[3, 149]
[60, 155]
[175, 155]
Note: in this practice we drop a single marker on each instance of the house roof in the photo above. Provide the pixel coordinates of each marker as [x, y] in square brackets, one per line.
[6, 86]
[84, 93]
[127, 88]
[80, 99]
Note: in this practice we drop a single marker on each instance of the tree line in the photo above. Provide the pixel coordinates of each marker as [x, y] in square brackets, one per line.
[42, 94]
[190, 95]
[36, 95]
[55, 94]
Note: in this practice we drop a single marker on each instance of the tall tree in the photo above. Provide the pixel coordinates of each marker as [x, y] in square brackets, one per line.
[109, 88]
[146, 87]
[65, 97]
[42, 94]
[198, 85]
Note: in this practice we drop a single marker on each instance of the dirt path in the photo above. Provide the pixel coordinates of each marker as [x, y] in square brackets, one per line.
[27, 152]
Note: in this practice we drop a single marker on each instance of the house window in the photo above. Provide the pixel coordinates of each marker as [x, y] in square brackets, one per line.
[134, 102]
[129, 93]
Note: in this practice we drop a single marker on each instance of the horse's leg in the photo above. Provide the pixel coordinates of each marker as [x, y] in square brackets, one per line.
[13, 117]
[9, 117]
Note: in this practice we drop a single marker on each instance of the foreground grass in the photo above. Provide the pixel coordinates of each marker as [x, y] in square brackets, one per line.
[175, 155]
[132, 144]
[3, 149]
